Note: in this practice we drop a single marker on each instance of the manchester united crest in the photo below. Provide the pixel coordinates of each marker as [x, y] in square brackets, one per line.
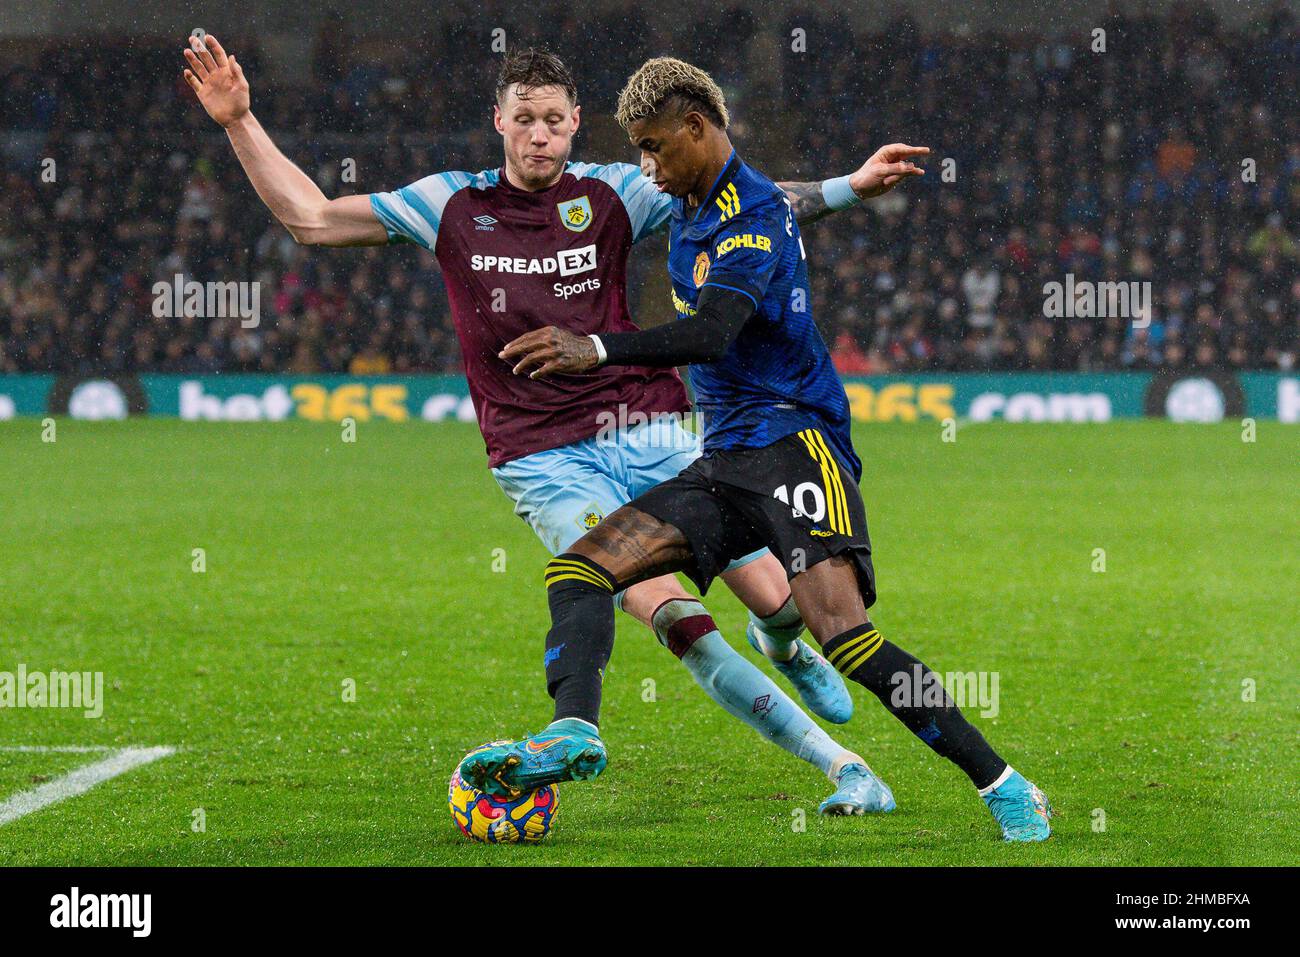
[701, 269]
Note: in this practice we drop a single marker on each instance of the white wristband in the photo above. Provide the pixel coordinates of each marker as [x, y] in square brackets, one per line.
[839, 194]
[601, 354]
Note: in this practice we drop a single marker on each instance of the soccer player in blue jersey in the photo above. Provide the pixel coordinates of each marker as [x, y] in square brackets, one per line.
[541, 241]
[778, 470]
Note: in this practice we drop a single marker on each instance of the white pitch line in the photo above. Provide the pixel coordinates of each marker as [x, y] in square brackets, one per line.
[78, 781]
[55, 748]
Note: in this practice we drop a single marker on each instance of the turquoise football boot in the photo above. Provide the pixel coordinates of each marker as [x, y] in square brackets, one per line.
[860, 792]
[1021, 809]
[567, 750]
[819, 685]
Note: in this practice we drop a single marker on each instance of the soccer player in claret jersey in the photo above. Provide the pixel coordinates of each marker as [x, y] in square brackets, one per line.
[778, 470]
[543, 241]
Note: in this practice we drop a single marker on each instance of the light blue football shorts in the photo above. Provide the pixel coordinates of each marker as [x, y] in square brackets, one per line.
[563, 493]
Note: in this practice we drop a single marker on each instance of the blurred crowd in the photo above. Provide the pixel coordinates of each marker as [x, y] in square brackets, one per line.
[1170, 157]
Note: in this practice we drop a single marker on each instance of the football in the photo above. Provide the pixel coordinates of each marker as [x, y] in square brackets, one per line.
[482, 817]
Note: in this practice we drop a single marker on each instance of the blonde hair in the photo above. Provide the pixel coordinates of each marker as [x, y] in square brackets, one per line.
[665, 81]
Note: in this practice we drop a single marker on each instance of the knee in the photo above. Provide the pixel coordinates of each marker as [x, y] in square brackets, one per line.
[760, 583]
[830, 597]
[642, 600]
[826, 624]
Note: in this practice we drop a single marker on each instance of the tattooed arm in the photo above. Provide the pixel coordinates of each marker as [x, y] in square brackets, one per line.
[806, 201]
[887, 167]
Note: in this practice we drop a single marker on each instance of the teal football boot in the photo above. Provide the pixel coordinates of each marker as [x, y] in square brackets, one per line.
[860, 792]
[819, 685]
[566, 750]
[1021, 809]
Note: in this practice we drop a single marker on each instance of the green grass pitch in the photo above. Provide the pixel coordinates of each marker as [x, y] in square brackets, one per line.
[1123, 693]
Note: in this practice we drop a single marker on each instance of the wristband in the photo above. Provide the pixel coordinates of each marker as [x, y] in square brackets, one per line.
[839, 194]
[601, 354]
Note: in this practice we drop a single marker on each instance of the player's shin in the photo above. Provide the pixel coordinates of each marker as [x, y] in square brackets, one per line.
[742, 690]
[914, 695]
[581, 639]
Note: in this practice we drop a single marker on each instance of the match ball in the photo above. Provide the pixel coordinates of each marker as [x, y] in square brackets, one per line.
[489, 819]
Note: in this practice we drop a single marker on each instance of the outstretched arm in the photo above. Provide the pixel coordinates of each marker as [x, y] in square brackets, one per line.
[886, 168]
[704, 337]
[297, 202]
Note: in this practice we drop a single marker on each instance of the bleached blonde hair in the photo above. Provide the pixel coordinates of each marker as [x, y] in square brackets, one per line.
[668, 82]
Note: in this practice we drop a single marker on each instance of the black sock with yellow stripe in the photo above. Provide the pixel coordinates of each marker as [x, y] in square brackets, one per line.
[916, 697]
[581, 639]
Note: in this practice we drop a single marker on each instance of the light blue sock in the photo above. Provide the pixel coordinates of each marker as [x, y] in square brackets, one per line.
[742, 690]
[779, 632]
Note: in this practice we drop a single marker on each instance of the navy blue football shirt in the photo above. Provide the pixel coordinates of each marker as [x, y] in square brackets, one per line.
[776, 379]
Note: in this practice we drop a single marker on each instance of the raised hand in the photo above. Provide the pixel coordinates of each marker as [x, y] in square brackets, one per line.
[888, 167]
[217, 80]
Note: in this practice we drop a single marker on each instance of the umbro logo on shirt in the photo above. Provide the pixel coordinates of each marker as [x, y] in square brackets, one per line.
[485, 222]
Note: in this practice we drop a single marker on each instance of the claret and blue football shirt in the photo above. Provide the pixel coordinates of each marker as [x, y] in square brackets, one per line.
[514, 261]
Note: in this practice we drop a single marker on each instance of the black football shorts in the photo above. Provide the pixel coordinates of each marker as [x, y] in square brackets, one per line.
[792, 497]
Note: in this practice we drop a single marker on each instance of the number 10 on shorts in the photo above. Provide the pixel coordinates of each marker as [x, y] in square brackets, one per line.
[799, 505]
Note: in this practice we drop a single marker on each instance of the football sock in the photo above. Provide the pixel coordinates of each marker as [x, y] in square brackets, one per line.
[1001, 779]
[573, 726]
[844, 760]
[581, 639]
[864, 655]
[685, 627]
[778, 633]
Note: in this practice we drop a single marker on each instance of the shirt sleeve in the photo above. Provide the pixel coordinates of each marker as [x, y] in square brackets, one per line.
[647, 208]
[703, 337]
[413, 213]
[748, 248]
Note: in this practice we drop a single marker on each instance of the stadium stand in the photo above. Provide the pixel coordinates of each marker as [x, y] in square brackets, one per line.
[1192, 185]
